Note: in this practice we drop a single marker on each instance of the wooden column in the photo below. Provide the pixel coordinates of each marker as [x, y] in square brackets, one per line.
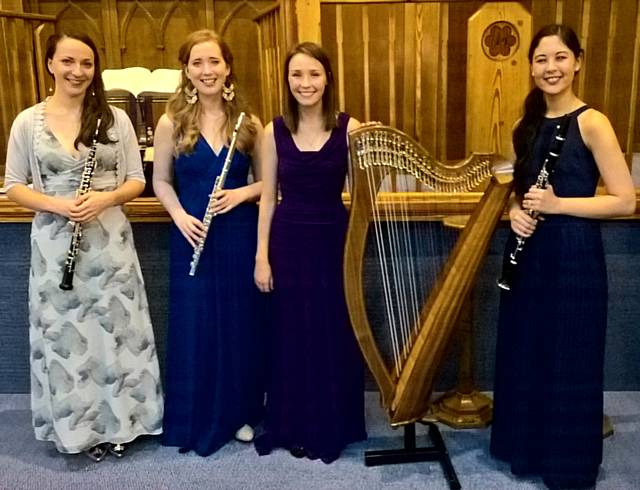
[308, 16]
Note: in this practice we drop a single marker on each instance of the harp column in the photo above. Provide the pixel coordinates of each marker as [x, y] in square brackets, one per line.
[464, 407]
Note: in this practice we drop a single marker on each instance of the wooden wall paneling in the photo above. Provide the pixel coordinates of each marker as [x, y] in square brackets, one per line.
[380, 59]
[429, 81]
[19, 84]
[353, 56]
[620, 71]
[559, 12]
[583, 34]
[543, 12]
[44, 79]
[366, 85]
[595, 58]
[408, 124]
[78, 16]
[241, 32]
[633, 133]
[499, 34]
[111, 33]
[459, 13]
[571, 13]
[308, 20]
[270, 38]
[443, 56]
[391, 66]
[612, 35]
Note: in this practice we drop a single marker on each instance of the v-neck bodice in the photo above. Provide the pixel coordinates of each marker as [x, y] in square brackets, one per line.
[196, 172]
[61, 172]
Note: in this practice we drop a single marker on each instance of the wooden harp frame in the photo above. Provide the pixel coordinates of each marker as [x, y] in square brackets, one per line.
[407, 396]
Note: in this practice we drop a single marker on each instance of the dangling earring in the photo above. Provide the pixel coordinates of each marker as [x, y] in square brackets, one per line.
[191, 96]
[228, 92]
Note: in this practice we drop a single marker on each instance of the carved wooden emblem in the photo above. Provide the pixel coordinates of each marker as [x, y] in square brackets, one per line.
[500, 40]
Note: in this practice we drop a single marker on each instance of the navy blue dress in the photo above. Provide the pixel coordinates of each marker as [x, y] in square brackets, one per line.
[315, 391]
[551, 335]
[214, 363]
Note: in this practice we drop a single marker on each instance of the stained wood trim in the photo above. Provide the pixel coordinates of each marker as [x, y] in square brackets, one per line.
[634, 91]
[421, 206]
[26, 16]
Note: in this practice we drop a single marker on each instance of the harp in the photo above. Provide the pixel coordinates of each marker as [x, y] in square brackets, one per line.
[421, 325]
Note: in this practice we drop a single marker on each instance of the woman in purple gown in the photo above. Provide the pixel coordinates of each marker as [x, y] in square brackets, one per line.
[315, 390]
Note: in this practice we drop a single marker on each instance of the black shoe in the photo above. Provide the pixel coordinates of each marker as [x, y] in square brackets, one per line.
[298, 452]
[96, 453]
[117, 450]
[184, 450]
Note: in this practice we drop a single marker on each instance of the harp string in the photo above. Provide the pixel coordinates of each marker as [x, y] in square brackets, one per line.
[390, 159]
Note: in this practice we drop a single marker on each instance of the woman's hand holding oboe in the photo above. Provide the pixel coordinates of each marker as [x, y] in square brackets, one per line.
[541, 201]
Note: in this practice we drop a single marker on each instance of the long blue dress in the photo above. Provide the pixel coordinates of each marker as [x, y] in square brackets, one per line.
[315, 391]
[551, 335]
[214, 364]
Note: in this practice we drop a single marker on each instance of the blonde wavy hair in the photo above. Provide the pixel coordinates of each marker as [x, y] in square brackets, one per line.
[185, 116]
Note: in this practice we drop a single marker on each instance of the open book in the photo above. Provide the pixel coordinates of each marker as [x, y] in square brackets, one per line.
[137, 79]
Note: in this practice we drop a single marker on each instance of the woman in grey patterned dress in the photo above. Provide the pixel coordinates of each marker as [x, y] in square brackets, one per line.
[94, 372]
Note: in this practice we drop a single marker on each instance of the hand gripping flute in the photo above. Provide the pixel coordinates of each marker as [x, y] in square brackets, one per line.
[541, 183]
[217, 186]
[76, 237]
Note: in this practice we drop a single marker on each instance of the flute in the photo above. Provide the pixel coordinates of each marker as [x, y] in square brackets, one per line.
[84, 187]
[217, 186]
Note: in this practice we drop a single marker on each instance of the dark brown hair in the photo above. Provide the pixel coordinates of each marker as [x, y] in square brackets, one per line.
[291, 113]
[535, 107]
[94, 104]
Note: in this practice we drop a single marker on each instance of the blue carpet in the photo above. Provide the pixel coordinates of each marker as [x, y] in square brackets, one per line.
[28, 464]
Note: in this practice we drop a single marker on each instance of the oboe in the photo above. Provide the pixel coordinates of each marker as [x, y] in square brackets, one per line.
[542, 181]
[76, 237]
[217, 186]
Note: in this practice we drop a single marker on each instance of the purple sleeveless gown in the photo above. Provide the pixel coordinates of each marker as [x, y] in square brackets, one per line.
[315, 391]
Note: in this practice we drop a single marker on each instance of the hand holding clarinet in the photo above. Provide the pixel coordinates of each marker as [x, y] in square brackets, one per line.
[531, 203]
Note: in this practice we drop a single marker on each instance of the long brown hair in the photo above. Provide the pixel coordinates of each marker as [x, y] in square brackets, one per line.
[535, 107]
[185, 116]
[291, 112]
[94, 104]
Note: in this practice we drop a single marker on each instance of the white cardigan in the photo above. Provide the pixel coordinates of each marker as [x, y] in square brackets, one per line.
[22, 165]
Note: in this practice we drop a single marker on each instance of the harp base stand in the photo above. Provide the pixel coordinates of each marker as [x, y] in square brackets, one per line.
[412, 454]
[464, 410]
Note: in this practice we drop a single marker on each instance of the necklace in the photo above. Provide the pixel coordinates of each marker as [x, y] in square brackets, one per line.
[311, 140]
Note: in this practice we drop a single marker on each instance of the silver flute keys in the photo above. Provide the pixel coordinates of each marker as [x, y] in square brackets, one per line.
[217, 186]
[84, 187]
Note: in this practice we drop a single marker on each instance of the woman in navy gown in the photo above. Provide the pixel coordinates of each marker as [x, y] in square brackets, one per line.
[213, 387]
[315, 392]
[551, 334]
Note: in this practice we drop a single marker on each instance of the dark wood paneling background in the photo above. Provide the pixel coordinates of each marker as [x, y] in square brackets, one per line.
[410, 56]
[608, 29]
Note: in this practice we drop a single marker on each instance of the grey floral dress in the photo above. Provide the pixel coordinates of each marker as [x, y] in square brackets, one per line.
[94, 369]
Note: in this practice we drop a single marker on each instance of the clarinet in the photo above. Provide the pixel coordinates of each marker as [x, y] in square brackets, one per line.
[76, 237]
[541, 183]
[217, 186]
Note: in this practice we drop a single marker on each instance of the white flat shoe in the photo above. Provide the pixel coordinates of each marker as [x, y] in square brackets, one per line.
[244, 433]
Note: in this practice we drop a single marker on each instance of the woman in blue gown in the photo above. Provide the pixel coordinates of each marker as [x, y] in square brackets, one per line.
[315, 391]
[213, 382]
[551, 333]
